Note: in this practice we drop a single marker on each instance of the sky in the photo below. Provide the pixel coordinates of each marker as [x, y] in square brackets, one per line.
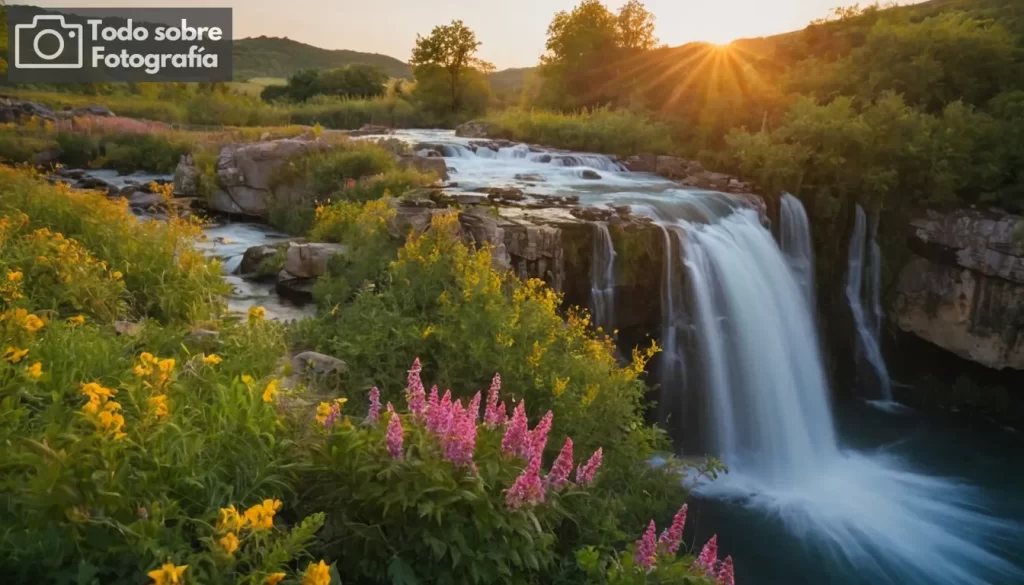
[512, 32]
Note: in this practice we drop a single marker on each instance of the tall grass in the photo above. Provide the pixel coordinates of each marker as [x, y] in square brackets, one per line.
[601, 130]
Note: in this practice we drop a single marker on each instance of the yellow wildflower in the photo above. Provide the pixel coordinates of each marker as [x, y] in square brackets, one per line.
[98, 396]
[212, 359]
[14, 355]
[271, 391]
[274, 578]
[428, 331]
[76, 321]
[230, 520]
[158, 404]
[261, 516]
[168, 574]
[14, 275]
[229, 542]
[111, 420]
[116, 275]
[247, 379]
[322, 412]
[318, 574]
[257, 313]
[33, 323]
[35, 370]
[560, 386]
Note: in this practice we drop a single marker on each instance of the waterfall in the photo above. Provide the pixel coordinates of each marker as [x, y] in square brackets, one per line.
[795, 241]
[868, 326]
[602, 277]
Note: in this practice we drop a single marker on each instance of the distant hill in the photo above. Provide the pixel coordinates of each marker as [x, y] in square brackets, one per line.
[510, 79]
[281, 57]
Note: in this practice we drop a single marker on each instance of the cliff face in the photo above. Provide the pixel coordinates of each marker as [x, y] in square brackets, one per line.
[963, 289]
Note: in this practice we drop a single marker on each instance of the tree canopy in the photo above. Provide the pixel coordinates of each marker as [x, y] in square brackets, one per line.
[446, 59]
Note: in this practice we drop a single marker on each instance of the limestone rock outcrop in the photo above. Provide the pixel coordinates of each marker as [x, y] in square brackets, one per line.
[963, 288]
[246, 173]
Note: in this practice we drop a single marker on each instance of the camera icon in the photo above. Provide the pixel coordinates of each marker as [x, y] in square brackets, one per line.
[48, 43]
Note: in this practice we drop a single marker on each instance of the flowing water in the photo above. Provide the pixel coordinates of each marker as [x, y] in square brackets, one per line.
[602, 278]
[878, 499]
[868, 324]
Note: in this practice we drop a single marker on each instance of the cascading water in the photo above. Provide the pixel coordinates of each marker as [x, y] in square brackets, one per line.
[795, 241]
[602, 277]
[772, 425]
[868, 326]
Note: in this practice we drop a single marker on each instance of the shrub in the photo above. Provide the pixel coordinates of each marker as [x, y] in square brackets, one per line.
[18, 148]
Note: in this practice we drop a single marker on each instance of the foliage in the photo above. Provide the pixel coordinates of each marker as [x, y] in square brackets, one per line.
[447, 69]
[352, 81]
[600, 130]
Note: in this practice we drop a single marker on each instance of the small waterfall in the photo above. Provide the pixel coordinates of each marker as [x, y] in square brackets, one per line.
[795, 241]
[594, 161]
[868, 325]
[602, 277]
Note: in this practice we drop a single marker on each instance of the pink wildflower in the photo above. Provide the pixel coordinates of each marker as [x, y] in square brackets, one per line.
[527, 489]
[350, 184]
[708, 557]
[333, 415]
[435, 415]
[474, 407]
[394, 436]
[585, 473]
[517, 435]
[492, 416]
[414, 392]
[390, 408]
[539, 435]
[374, 415]
[646, 549]
[673, 535]
[460, 439]
[559, 475]
[725, 574]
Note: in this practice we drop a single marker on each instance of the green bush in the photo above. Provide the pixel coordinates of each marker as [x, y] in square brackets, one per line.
[19, 148]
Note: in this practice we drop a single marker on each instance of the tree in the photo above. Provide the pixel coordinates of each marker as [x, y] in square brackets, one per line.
[451, 48]
[636, 27]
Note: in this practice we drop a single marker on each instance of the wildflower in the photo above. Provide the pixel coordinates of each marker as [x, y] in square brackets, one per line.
[414, 392]
[394, 437]
[334, 412]
[168, 574]
[560, 386]
[98, 397]
[230, 520]
[474, 407]
[33, 323]
[116, 275]
[708, 557]
[145, 366]
[111, 420]
[261, 516]
[527, 489]
[257, 313]
[585, 473]
[725, 574]
[212, 359]
[274, 578]
[271, 391]
[492, 416]
[433, 410]
[14, 276]
[428, 331]
[247, 380]
[229, 542]
[673, 535]
[76, 321]
[158, 405]
[539, 435]
[14, 355]
[318, 574]
[322, 412]
[646, 552]
[561, 468]
[460, 440]
[35, 370]
[516, 439]
[374, 414]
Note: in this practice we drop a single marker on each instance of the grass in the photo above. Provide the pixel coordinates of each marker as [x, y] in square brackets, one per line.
[254, 85]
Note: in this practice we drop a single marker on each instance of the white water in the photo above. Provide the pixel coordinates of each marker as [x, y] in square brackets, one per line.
[795, 241]
[868, 325]
[602, 277]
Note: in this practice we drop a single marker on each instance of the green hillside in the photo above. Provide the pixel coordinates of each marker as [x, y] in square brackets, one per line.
[281, 57]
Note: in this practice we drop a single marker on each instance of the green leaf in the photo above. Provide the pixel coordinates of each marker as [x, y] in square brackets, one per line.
[401, 573]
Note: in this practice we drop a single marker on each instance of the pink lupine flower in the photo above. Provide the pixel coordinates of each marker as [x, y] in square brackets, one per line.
[673, 535]
[585, 473]
[414, 392]
[517, 435]
[332, 416]
[646, 549]
[435, 415]
[561, 468]
[390, 408]
[539, 435]
[474, 407]
[394, 437]
[527, 489]
[374, 415]
[725, 574]
[492, 416]
[708, 557]
[460, 439]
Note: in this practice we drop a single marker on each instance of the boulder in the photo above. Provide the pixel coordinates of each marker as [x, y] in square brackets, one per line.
[143, 200]
[253, 260]
[246, 172]
[641, 163]
[672, 167]
[530, 177]
[15, 112]
[470, 198]
[590, 175]
[963, 288]
[296, 290]
[424, 164]
[318, 364]
[310, 260]
[186, 177]
[506, 193]
[475, 129]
